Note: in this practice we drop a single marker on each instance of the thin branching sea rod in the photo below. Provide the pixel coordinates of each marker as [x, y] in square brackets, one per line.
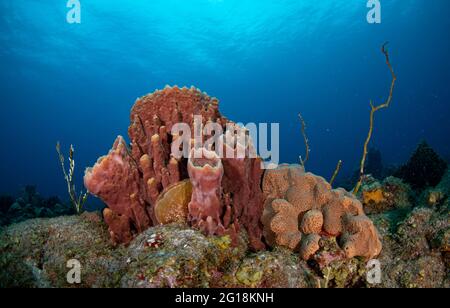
[374, 109]
[78, 200]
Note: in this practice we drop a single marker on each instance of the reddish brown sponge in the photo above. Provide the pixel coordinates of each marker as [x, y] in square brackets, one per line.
[119, 226]
[301, 207]
[130, 181]
[206, 207]
[242, 192]
[115, 178]
[152, 119]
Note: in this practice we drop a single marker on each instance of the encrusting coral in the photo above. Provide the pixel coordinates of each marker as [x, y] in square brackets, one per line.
[391, 193]
[172, 204]
[300, 208]
[130, 181]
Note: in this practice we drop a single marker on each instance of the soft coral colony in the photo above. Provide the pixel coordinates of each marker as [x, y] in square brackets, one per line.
[144, 186]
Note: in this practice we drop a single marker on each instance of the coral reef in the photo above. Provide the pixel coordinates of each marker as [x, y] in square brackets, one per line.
[29, 204]
[301, 208]
[424, 169]
[199, 221]
[391, 193]
[415, 249]
[34, 254]
[130, 181]
[337, 271]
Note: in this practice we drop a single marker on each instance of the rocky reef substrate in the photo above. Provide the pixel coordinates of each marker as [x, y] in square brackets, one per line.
[34, 253]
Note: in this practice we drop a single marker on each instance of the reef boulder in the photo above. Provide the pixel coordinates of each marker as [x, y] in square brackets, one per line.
[35, 253]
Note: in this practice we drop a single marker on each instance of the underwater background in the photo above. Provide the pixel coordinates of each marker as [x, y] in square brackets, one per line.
[265, 60]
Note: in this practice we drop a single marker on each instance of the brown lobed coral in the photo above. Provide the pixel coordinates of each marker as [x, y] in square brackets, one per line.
[301, 208]
[130, 181]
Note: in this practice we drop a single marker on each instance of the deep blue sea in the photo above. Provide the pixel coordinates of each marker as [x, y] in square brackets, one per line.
[265, 60]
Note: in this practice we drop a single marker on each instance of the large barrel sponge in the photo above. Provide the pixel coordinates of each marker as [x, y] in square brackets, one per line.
[301, 207]
[133, 179]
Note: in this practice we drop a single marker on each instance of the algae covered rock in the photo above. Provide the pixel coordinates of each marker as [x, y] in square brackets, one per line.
[269, 269]
[175, 256]
[390, 194]
[35, 253]
[437, 196]
[414, 249]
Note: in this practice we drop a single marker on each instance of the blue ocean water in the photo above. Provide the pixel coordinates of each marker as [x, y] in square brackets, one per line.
[265, 60]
